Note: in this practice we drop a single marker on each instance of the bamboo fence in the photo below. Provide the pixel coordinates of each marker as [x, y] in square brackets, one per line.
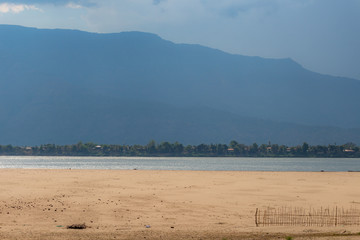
[295, 216]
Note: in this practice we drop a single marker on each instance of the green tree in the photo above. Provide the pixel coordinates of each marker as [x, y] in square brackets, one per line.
[254, 148]
[151, 147]
[178, 148]
[305, 147]
[165, 147]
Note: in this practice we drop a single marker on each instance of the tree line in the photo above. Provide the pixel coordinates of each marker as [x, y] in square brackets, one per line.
[167, 149]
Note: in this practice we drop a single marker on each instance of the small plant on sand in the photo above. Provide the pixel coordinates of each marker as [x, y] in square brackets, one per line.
[289, 238]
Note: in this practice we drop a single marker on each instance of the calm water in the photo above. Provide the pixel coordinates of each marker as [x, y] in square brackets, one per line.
[180, 163]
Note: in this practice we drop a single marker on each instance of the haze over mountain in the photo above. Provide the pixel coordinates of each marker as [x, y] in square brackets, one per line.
[63, 86]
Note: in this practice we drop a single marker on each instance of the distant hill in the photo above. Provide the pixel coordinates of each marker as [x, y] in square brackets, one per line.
[63, 86]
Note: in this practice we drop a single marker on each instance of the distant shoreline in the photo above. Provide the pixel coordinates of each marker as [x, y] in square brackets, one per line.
[166, 149]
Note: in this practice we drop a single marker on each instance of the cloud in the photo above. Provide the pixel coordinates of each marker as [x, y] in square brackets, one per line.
[15, 8]
[73, 5]
[53, 2]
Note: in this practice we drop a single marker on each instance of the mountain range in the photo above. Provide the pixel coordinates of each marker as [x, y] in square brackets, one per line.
[63, 86]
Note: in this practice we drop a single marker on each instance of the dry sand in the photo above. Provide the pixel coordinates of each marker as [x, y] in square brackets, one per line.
[116, 204]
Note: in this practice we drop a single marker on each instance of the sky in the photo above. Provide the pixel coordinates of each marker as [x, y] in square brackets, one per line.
[321, 35]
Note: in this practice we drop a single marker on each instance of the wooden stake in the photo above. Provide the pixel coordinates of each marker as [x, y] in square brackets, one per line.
[336, 217]
[256, 218]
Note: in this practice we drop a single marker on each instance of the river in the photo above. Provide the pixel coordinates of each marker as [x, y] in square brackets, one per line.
[184, 163]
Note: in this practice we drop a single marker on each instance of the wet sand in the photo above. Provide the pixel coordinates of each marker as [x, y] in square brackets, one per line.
[136, 204]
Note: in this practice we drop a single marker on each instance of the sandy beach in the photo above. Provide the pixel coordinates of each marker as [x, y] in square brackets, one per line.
[134, 204]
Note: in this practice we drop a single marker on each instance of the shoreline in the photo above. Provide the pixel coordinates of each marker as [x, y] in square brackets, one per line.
[184, 164]
[169, 170]
[187, 156]
[119, 204]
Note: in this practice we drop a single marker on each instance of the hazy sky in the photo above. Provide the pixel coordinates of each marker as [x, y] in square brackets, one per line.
[322, 35]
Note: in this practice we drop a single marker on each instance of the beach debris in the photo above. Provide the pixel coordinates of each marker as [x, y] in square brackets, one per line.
[147, 226]
[77, 226]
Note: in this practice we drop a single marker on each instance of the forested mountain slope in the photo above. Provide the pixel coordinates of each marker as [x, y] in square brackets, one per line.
[61, 86]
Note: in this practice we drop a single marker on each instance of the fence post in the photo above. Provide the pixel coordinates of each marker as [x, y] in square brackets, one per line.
[336, 217]
[256, 217]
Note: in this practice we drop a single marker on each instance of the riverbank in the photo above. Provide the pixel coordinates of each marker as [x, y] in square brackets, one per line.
[129, 204]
